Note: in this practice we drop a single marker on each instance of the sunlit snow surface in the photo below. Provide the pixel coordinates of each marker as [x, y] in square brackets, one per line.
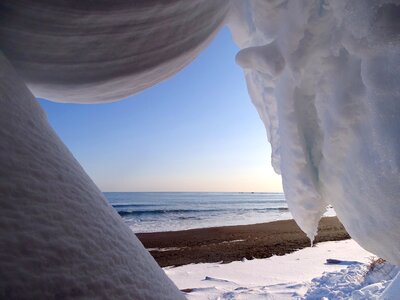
[300, 275]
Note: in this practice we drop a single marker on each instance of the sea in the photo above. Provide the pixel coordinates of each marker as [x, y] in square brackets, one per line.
[153, 212]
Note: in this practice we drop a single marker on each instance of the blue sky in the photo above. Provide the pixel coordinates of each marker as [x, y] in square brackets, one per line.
[196, 131]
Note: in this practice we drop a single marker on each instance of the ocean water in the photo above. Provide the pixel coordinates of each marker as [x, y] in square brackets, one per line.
[152, 212]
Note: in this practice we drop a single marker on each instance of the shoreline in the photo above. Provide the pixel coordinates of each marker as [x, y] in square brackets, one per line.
[232, 243]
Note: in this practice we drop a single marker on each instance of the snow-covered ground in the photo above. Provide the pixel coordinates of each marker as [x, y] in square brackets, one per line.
[304, 274]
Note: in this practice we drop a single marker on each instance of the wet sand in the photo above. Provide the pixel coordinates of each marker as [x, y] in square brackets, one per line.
[231, 243]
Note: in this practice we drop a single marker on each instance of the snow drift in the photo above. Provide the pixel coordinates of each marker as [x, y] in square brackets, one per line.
[323, 75]
[59, 237]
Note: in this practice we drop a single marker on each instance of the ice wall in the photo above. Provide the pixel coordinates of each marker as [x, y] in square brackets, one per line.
[324, 76]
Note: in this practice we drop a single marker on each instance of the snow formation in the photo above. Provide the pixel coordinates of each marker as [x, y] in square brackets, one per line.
[325, 78]
[100, 51]
[323, 75]
[59, 238]
[357, 282]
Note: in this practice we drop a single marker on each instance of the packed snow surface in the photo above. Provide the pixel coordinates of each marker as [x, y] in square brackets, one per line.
[323, 75]
[304, 274]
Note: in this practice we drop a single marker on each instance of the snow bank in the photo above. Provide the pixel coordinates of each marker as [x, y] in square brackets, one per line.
[338, 285]
[324, 77]
[355, 282]
[59, 238]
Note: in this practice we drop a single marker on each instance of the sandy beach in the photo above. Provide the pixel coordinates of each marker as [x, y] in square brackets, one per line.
[232, 243]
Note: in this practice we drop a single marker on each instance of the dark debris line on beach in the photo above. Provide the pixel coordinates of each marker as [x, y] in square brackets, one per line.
[232, 243]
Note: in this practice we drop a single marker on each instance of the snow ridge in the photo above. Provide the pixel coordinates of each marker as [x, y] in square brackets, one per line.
[59, 238]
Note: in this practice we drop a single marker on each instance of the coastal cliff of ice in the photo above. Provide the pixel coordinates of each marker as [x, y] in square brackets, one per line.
[323, 75]
[325, 79]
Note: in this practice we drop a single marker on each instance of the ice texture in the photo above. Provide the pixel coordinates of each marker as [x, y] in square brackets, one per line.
[59, 238]
[325, 79]
[99, 51]
[323, 75]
